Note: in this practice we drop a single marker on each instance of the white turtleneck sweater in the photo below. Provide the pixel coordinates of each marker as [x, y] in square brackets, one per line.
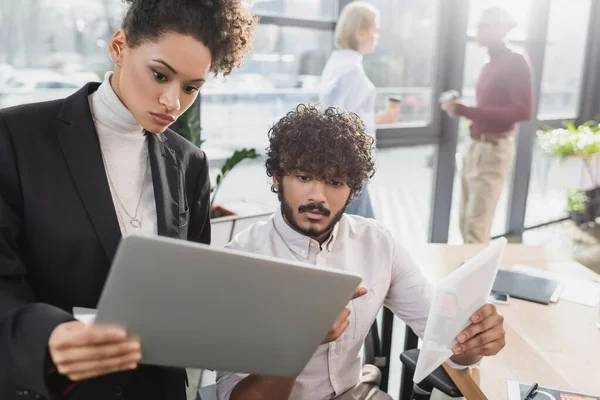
[125, 153]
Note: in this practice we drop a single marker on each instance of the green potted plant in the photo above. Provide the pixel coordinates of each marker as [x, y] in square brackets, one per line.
[571, 141]
[188, 126]
[237, 157]
[582, 141]
[577, 205]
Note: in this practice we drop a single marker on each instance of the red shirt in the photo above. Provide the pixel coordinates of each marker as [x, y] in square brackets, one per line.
[503, 94]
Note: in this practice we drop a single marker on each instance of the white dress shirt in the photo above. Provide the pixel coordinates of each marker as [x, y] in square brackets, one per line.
[356, 245]
[344, 84]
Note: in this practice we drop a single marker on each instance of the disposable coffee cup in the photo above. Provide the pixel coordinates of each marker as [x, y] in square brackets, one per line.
[394, 103]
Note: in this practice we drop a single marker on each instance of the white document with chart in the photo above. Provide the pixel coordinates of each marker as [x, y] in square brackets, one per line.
[456, 299]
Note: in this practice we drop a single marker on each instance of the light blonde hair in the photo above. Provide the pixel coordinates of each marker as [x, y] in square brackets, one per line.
[355, 17]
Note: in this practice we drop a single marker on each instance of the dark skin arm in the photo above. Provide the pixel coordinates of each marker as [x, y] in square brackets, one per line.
[484, 337]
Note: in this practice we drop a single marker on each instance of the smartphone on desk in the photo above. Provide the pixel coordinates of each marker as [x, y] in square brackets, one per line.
[499, 298]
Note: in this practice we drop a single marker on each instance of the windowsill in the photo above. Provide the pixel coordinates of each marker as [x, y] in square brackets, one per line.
[404, 124]
[556, 117]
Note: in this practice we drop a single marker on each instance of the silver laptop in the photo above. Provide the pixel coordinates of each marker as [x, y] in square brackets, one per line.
[197, 306]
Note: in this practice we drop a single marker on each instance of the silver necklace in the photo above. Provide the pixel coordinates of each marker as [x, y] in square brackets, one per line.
[133, 220]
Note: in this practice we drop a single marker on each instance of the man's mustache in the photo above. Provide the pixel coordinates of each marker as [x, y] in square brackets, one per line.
[314, 207]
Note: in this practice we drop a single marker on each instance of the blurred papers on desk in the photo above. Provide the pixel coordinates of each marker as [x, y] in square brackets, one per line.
[577, 291]
[525, 286]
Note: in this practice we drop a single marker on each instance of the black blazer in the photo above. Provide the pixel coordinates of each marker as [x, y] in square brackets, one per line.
[59, 233]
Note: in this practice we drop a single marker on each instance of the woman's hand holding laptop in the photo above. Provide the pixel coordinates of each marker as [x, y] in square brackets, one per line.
[81, 351]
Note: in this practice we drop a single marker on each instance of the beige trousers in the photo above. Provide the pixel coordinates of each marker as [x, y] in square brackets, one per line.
[486, 166]
[367, 387]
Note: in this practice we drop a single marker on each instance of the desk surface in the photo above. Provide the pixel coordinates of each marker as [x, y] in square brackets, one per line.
[557, 345]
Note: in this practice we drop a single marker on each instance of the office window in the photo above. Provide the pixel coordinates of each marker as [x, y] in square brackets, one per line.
[304, 9]
[50, 48]
[550, 180]
[560, 92]
[403, 63]
[282, 71]
[285, 67]
[564, 59]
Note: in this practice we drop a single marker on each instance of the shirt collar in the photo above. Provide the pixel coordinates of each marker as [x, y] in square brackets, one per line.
[296, 241]
[108, 110]
[348, 54]
[334, 233]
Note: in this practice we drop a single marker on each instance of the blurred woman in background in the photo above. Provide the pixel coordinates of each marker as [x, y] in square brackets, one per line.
[344, 83]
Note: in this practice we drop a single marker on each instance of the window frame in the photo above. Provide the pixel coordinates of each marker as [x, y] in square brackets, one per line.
[448, 69]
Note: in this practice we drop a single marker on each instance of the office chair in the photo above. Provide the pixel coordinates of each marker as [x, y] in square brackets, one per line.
[438, 379]
[374, 354]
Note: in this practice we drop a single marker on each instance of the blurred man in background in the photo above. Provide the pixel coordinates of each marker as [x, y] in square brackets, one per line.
[503, 99]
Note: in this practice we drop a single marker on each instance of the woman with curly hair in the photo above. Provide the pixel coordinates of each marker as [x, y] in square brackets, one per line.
[77, 174]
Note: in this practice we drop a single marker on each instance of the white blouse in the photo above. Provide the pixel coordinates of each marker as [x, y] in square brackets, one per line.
[344, 84]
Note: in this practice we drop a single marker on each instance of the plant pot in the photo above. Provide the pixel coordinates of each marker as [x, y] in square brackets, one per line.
[577, 217]
[219, 212]
[592, 205]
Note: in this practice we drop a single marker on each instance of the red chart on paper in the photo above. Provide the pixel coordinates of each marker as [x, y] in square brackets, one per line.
[565, 396]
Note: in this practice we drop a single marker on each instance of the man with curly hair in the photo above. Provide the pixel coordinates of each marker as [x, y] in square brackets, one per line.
[77, 174]
[320, 160]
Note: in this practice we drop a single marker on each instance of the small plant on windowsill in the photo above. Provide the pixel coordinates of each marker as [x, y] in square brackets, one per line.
[237, 157]
[571, 140]
[189, 127]
[582, 141]
[577, 205]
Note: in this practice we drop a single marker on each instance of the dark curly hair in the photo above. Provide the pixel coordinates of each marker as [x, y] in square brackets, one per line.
[224, 26]
[328, 143]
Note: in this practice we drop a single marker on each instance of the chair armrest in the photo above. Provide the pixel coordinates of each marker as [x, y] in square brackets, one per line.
[464, 381]
[438, 379]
